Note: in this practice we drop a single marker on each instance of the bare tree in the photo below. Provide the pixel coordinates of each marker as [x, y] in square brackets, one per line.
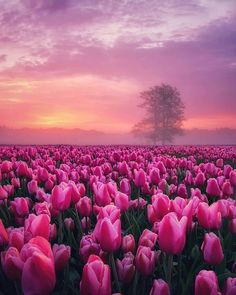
[164, 114]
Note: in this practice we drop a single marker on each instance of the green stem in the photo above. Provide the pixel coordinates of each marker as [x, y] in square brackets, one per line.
[114, 272]
[135, 282]
[60, 225]
[169, 268]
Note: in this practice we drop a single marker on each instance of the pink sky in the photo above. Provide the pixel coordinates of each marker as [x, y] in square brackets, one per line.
[70, 63]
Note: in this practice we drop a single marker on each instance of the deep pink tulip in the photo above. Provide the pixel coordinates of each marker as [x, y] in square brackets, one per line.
[6, 166]
[209, 217]
[128, 243]
[206, 283]
[37, 226]
[69, 224]
[182, 191]
[230, 287]
[61, 197]
[42, 174]
[16, 238]
[3, 193]
[227, 189]
[148, 239]
[145, 260]
[88, 246]
[22, 169]
[96, 277]
[32, 187]
[12, 264]
[200, 179]
[172, 233]
[3, 234]
[122, 201]
[212, 250]
[126, 268]
[84, 206]
[61, 255]
[139, 178]
[125, 186]
[155, 176]
[160, 287]
[232, 178]
[110, 235]
[38, 275]
[19, 207]
[212, 188]
[101, 194]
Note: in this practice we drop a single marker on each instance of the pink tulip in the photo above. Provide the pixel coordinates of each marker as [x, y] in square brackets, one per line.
[160, 287]
[19, 207]
[69, 223]
[32, 187]
[16, 238]
[212, 250]
[148, 239]
[6, 166]
[125, 186]
[232, 178]
[128, 244]
[212, 188]
[102, 195]
[84, 206]
[96, 278]
[206, 283]
[88, 246]
[227, 189]
[61, 198]
[200, 179]
[126, 268]
[145, 260]
[61, 255]
[155, 176]
[209, 217]
[110, 235]
[172, 233]
[37, 226]
[140, 178]
[12, 264]
[3, 193]
[161, 205]
[230, 287]
[122, 201]
[38, 275]
[3, 234]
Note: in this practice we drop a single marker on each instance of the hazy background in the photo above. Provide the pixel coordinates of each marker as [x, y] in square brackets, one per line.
[71, 71]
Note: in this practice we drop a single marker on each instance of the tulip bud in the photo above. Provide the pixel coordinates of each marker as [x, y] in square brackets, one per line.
[61, 255]
[206, 283]
[160, 287]
[145, 260]
[128, 244]
[96, 277]
[212, 250]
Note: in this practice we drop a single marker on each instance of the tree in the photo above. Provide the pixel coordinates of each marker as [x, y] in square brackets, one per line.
[164, 114]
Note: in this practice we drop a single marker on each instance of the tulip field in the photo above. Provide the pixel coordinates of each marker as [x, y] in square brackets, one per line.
[106, 220]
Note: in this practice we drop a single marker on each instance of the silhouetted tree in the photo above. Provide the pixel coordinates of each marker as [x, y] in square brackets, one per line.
[164, 114]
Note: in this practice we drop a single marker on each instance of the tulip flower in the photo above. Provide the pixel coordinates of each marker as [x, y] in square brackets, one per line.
[161, 205]
[128, 244]
[212, 250]
[122, 201]
[148, 239]
[38, 276]
[145, 260]
[140, 178]
[61, 255]
[37, 226]
[110, 235]
[96, 277]
[172, 233]
[84, 206]
[230, 286]
[16, 238]
[232, 178]
[3, 234]
[3, 193]
[12, 264]
[206, 283]
[61, 198]
[126, 268]
[209, 217]
[212, 188]
[160, 287]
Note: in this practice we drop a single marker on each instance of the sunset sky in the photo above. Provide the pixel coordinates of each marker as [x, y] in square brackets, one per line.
[78, 63]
